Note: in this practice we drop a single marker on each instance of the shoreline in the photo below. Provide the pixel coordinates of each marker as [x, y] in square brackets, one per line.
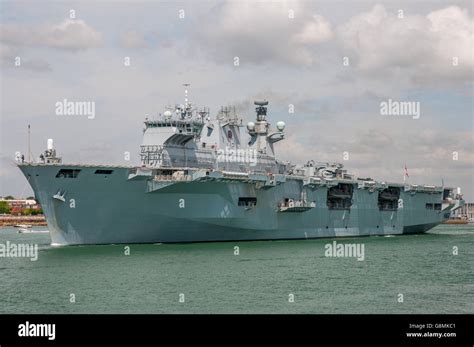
[9, 220]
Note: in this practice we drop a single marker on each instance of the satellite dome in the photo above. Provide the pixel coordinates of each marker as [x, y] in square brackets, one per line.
[280, 125]
[167, 114]
[250, 126]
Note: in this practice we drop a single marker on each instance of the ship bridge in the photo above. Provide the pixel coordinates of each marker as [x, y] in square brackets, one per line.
[183, 136]
[173, 132]
[175, 128]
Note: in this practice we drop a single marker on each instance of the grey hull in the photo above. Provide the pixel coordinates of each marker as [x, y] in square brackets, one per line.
[104, 209]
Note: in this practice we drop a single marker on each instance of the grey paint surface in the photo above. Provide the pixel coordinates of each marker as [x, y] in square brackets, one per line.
[113, 209]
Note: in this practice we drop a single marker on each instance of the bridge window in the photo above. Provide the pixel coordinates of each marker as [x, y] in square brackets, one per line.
[436, 207]
[68, 173]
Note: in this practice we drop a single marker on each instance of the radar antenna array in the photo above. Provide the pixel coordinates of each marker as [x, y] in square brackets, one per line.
[261, 109]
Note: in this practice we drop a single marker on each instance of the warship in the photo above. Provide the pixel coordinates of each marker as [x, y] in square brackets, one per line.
[216, 179]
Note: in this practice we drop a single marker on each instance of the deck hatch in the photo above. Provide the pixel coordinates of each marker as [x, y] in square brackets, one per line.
[103, 172]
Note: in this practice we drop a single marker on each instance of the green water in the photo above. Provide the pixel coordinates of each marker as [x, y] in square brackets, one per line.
[258, 280]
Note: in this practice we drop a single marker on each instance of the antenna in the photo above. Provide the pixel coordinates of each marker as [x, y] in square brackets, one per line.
[203, 113]
[186, 85]
[225, 110]
[29, 144]
[261, 110]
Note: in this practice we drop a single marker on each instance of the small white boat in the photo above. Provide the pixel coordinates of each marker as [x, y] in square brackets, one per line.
[23, 226]
[26, 229]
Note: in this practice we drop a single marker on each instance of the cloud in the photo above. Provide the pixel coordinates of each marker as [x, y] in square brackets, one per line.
[314, 31]
[6, 52]
[369, 139]
[133, 39]
[11, 56]
[431, 49]
[262, 31]
[382, 153]
[68, 35]
[38, 65]
[422, 46]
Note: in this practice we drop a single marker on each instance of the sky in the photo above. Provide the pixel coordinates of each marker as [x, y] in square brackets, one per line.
[333, 62]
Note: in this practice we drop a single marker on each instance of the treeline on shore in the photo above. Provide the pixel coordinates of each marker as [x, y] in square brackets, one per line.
[6, 207]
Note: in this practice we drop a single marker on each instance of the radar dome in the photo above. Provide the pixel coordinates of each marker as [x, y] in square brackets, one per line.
[280, 125]
[167, 114]
[250, 126]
